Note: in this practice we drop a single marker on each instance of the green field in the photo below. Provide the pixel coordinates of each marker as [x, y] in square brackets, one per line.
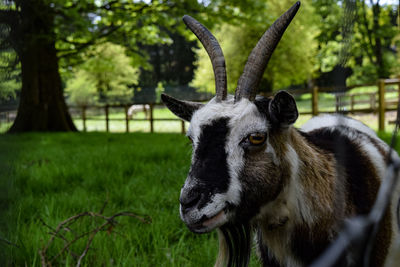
[47, 178]
[51, 177]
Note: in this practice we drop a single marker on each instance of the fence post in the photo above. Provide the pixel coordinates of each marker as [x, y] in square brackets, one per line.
[83, 113]
[151, 118]
[183, 127]
[126, 118]
[314, 100]
[337, 97]
[372, 99]
[352, 103]
[107, 119]
[381, 106]
[398, 95]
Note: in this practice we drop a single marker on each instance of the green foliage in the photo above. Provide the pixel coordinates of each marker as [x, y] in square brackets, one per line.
[8, 88]
[81, 89]
[108, 71]
[374, 40]
[330, 21]
[292, 61]
[9, 77]
[78, 24]
[360, 34]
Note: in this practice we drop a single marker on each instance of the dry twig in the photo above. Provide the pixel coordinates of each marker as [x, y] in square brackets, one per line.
[108, 224]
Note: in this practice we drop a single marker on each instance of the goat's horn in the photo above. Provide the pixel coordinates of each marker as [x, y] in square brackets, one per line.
[259, 57]
[214, 52]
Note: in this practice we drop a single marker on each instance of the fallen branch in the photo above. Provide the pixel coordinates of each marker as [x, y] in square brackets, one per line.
[109, 223]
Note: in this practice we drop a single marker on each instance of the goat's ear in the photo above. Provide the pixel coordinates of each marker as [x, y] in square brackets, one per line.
[282, 109]
[182, 109]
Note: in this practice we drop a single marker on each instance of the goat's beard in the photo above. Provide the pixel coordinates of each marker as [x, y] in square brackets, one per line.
[235, 244]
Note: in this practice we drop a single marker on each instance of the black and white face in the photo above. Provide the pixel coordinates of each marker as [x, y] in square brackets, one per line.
[234, 166]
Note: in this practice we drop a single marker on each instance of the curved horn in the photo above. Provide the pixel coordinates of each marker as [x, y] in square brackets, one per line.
[259, 57]
[214, 52]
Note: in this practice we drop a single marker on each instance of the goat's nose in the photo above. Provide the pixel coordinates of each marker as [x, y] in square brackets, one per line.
[189, 200]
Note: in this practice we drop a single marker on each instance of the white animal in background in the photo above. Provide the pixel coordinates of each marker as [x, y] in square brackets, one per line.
[136, 108]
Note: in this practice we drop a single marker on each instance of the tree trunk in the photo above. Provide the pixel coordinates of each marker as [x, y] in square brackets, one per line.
[42, 106]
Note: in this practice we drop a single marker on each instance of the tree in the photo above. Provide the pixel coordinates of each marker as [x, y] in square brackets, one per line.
[377, 28]
[292, 61]
[42, 105]
[81, 89]
[111, 72]
[44, 31]
[9, 78]
[41, 32]
[359, 34]
[172, 65]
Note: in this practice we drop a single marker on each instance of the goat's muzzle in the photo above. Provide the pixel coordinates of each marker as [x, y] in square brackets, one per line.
[200, 211]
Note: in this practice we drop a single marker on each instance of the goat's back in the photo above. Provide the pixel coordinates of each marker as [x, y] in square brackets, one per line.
[361, 155]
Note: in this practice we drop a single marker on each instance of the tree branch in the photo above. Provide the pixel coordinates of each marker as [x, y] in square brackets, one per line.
[108, 224]
[81, 46]
[91, 7]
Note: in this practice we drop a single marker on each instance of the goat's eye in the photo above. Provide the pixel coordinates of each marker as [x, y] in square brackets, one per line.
[191, 140]
[257, 138]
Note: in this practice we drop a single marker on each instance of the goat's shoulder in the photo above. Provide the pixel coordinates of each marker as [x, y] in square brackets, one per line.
[331, 132]
[360, 155]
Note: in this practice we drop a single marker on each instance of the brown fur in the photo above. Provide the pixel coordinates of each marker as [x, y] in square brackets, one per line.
[326, 191]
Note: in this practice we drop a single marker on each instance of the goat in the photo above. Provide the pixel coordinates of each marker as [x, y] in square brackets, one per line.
[136, 108]
[254, 174]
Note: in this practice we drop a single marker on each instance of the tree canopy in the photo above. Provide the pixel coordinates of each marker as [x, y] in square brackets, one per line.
[292, 61]
[361, 34]
[109, 70]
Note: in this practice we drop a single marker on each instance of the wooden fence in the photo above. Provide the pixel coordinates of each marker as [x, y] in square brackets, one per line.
[127, 117]
[375, 100]
[380, 105]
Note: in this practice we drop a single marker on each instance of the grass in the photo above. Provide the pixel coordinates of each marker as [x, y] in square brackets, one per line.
[54, 176]
[51, 177]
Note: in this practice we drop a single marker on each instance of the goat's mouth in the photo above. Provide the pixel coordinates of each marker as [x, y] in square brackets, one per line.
[209, 223]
